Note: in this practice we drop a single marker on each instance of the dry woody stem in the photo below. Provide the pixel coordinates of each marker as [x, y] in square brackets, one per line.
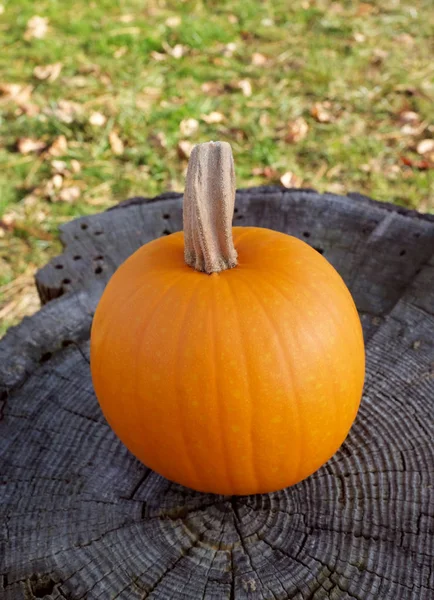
[209, 201]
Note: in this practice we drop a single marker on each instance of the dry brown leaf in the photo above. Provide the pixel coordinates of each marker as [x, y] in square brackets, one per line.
[127, 18]
[233, 19]
[65, 110]
[69, 194]
[212, 88]
[378, 56]
[158, 56]
[97, 119]
[75, 166]
[245, 86]
[184, 149]
[320, 113]
[258, 59]
[425, 146]
[213, 117]
[173, 21]
[335, 8]
[297, 130]
[59, 166]
[290, 180]
[27, 145]
[120, 52]
[116, 144]
[405, 39]
[267, 172]
[229, 49]
[37, 27]
[178, 51]
[16, 92]
[159, 140]
[48, 72]
[59, 147]
[188, 127]
[365, 9]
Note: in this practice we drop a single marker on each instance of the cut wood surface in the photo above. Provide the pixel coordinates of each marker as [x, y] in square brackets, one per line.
[83, 519]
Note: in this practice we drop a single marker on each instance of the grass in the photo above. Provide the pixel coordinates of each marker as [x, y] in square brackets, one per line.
[369, 66]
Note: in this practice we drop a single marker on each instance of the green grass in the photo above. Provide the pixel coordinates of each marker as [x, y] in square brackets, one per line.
[370, 65]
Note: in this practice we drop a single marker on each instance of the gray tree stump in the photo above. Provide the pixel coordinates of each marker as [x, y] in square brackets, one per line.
[83, 519]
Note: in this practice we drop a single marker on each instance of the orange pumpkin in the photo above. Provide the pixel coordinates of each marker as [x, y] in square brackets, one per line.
[233, 367]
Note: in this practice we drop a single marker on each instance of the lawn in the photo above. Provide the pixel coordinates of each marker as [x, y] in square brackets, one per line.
[103, 100]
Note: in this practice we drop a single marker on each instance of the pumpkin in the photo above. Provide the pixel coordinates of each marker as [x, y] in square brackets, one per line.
[229, 360]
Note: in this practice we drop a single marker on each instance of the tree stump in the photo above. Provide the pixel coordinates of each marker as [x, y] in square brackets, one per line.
[83, 519]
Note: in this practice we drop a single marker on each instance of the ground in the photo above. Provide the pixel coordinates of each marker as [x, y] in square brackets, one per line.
[103, 100]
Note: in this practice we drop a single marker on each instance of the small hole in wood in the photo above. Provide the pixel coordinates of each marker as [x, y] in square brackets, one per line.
[42, 586]
[67, 343]
[77, 257]
[320, 250]
[66, 281]
[239, 217]
[166, 232]
[403, 252]
[84, 225]
[98, 270]
[99, 257]
[98, 232]
[46, 356]
[59, 266]
[235, 210]
[166, 216]
[417, 271]
[3, 395]
[306, 234]
[417, 234]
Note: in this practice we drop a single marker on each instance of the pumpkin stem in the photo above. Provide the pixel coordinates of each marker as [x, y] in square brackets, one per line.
[209, 200]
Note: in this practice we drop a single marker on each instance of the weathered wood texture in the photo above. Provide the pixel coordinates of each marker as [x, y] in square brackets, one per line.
[82, 519]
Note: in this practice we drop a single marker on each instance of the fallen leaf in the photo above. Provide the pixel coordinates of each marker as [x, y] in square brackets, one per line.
[267, 172]
[75, 166]
[59, 166]
[177, 51]
[158, 56]
[245, 86]
[27, 145]
[335, 8]
[70, 194]
[425, 146]
[421, 165]
[120, 52]
[229, 49]
[213, 117]
[258, 59]
[297, 130]
[65, 110]
[127, 18]
[233, 19]
[378, 56]
[188, 127]
[97, 119]
[264, 119]
[411, 123]
[16, 92]
[37, 27]
[48, 72]
[116, 144]
[365, 9]
[78, 81]
[184, 148]
[290, 180]
[405, 39]
[359, 37]
[320, 113]
[173, 21]
[57, 180]
[59, 147]
[159, 140]
[212, 88]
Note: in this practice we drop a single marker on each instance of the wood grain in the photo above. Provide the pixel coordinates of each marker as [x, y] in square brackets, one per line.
[82, 519]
